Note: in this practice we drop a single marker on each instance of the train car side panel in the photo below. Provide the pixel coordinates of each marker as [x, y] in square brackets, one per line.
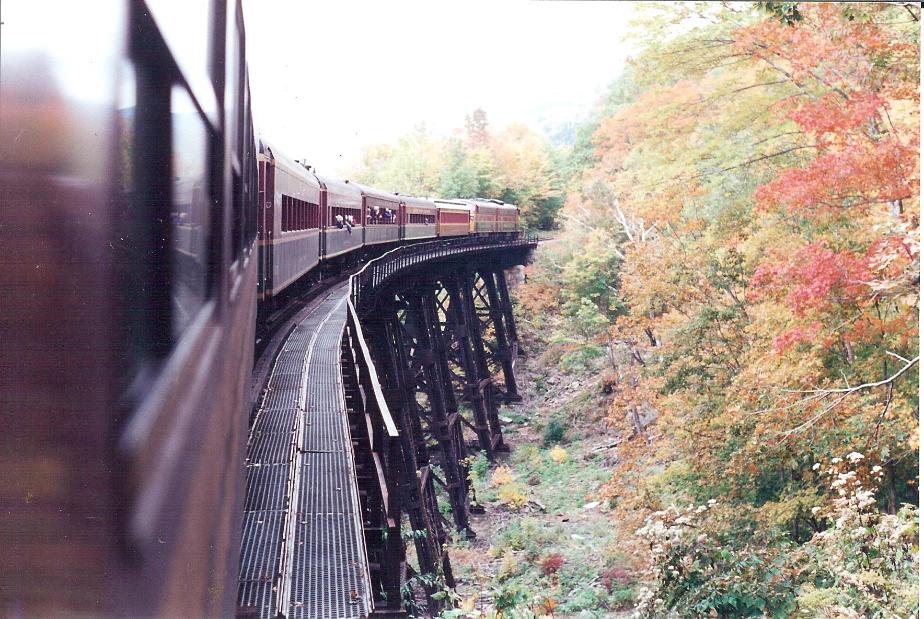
[454, 218]
[296, 247]
[342, 201]
[383, 216]
[126, 333]
[420, 218]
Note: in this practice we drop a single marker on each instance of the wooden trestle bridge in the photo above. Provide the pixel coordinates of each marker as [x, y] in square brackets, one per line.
[373, 407]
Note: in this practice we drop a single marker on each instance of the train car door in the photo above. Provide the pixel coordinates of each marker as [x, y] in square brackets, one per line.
[402, 219]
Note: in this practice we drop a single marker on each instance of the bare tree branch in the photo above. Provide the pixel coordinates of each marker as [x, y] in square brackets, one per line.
[864, 386]
[899, 357]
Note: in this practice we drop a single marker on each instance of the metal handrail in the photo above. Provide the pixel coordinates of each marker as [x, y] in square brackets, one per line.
[379, 270]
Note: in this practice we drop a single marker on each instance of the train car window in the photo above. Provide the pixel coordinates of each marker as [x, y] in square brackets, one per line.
[183, 26]
[190, 216]
[237, 215]
[250, 165]
[314, 218]
[299, 214]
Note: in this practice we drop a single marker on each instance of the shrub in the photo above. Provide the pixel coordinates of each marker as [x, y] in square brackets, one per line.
[867, 561]
[558, 455]
[615, 578]
[501, 476]
[551, 563]
[509, 596]
[513, 496]
[527, 534]
[696, 574]
[479, 465]
[509, 566]
[864, 564]
[554, 432]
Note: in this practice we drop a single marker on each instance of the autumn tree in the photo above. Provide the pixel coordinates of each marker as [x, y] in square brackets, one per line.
[759, 184]
[516, 165]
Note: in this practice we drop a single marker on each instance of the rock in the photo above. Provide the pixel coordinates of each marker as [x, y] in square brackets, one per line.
[533, 480]
[507, 419]
[592, 505]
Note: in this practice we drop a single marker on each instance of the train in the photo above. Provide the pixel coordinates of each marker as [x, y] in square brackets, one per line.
[307, 221]
[144, 224]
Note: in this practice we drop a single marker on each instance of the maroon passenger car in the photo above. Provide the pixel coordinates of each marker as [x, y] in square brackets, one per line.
[494, 215]
[384, 215]
[454, 218]
[341, 203]
[420, 218]
[128, 175]
[289, 222]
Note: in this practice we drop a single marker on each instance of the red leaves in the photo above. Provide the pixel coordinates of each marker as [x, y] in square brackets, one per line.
[838, 66]
[817, 280]
[813, 279]
[797, 335]
[831, 113]
[552, 563]
[856, 176]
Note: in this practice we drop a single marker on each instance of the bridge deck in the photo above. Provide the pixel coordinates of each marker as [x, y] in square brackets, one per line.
[306, 561]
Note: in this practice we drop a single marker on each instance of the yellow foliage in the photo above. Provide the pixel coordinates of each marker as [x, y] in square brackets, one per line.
[513, 496]
[502, 475]
[509, 566]
[558, 454]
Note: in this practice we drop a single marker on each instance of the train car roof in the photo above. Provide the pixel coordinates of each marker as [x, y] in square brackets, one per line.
[419, 202]
[453, 204]
[491, 202]
[476, 202]
[378, 193]
[292, 166]
[337, 186]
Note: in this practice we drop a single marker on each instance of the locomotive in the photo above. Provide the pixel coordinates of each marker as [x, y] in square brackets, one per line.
[142, 222]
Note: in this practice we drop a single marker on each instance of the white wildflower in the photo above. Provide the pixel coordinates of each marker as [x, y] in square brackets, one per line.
[816, 466]
[854, 456]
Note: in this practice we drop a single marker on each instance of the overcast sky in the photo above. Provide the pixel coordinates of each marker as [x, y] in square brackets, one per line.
[330, 77]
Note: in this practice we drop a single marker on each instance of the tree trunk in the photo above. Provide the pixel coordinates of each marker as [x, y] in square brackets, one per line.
[891, 493]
